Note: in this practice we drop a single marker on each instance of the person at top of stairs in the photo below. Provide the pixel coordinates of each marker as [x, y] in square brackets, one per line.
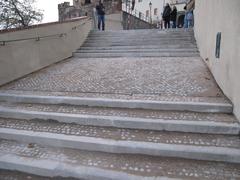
[101, 15]
[166, 16]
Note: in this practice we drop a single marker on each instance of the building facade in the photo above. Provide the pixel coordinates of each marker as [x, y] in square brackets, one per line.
[151, 10]
[85, 8]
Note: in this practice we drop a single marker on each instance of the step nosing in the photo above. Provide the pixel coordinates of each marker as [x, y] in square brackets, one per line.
[104, 141]
[125, 147]
[5, 95]
[81, 164]
[53, 168]
[114, 118]
[208, 127]
[122, 103]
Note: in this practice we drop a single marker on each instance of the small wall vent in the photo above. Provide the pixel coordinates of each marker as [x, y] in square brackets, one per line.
[218, 45]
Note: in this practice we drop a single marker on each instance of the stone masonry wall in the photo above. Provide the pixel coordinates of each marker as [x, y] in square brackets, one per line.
[134, 22]
[67, 12]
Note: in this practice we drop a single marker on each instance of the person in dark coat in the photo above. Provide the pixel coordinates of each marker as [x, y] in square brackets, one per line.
[166, 16]
[101, 15]
[173, 17]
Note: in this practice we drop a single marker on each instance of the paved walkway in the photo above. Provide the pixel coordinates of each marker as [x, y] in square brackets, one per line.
[153, 77]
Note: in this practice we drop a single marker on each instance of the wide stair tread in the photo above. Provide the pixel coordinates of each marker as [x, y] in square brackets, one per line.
[17, 175]
[122, 112]
[118, 134]
[50, 161]
[142, 101]
[183, 121]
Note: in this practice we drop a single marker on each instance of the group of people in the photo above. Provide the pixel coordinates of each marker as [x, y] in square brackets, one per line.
[169, 15]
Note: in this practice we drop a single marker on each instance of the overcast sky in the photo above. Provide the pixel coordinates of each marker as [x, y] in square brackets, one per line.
[50, 8]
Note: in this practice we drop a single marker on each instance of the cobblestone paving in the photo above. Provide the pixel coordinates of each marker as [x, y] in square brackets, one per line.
[132, 164]
[184, 77]
[135, 113]
[122, 134]
[15, 175]
[150, 97]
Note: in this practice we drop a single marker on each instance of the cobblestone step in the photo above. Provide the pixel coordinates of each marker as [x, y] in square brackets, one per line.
[147, 46]
[141, 47]
[93, 44]
[121, 134]
[50, 161]
[136, 37]
[164, 46]
[121, 112]
[220, 106]
[141, 35]
[147, 40]
[109, 145]
[144, 32]
[7, 92]
[137, 51]
[132, 54]
[17, 175]
[143, 41]
[124, 118]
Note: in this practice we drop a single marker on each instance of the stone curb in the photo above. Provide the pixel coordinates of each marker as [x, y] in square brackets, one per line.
[209, 153]
[121, 103]
[143, 47]
[132, 54]
[137, 51]
[126, 122]
[52, 168]
[140, 48]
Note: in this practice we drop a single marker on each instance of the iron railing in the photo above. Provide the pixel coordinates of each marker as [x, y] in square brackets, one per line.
[135, 13]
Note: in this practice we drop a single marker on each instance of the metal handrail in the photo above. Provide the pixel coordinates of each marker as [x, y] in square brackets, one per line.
[142, 17]
[136, 13]
[38, 38]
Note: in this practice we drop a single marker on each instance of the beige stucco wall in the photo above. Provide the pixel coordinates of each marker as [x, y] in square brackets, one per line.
[212, 16]
[23, 57]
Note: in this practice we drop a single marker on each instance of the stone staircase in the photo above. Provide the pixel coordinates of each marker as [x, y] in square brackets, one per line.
[128, 105]
[148, 43]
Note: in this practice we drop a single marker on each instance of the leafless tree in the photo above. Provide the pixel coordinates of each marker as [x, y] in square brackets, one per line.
[18, 13]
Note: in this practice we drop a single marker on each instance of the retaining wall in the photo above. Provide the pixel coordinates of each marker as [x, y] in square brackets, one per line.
[56, 42]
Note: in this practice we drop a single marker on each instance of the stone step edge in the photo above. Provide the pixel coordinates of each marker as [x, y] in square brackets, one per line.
[207, 153]
[126, 122]
[151, 49]
[50, 168]
[141, 47]
[135, 54]
[144, 34]
[137, 50]
[121, 103]
[153, 40]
